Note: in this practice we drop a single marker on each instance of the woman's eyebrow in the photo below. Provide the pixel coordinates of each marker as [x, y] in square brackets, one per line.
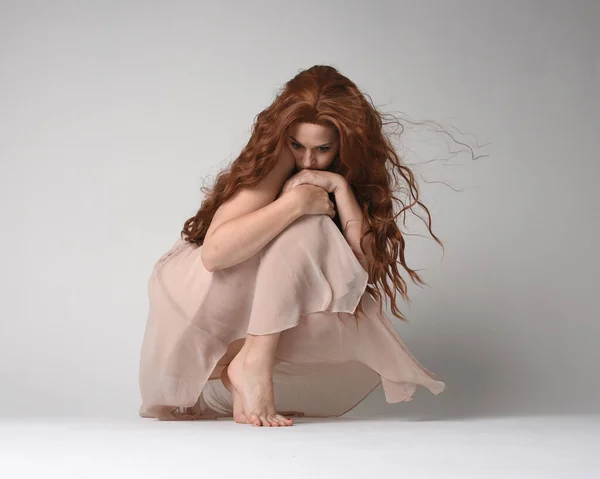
[324, 144]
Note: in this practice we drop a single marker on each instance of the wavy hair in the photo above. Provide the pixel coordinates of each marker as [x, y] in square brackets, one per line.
[366, 158]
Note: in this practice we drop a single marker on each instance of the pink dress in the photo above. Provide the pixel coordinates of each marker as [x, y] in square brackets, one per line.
[305, 283]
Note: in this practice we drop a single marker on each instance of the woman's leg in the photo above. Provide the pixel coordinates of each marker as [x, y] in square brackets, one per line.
[323, 267]
[251, 374]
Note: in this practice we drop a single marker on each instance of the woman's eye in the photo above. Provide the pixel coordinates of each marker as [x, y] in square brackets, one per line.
[322, 149]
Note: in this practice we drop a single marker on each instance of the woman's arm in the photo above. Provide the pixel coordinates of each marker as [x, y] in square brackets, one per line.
[242, 237]
[351, 218]
[251, 218]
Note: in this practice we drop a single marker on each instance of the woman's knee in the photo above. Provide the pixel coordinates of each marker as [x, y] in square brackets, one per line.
[311, 229]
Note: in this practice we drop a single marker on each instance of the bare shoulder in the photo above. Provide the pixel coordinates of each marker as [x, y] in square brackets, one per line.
[249, 199]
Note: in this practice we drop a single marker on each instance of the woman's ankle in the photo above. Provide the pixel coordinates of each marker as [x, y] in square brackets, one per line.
[257, 359]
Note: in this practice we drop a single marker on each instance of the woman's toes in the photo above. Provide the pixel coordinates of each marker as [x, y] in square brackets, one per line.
[275, 421]
[271, 422]
[282, 421]
[264, 421]
[288, 421]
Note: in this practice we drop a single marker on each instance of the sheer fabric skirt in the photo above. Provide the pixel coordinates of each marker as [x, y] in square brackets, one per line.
[305, 283]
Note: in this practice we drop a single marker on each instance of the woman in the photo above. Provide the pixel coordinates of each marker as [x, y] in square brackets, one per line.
[267, 307]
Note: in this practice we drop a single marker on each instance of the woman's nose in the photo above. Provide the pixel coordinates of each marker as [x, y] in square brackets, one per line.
[308, 162]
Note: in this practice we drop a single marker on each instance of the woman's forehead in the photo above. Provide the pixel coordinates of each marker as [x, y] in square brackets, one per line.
[312, 133]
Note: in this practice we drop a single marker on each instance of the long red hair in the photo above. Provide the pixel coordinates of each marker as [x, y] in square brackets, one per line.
[367, 159]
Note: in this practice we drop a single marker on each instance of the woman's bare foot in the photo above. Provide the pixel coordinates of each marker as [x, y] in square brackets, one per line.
[238, 407]
[253, 381]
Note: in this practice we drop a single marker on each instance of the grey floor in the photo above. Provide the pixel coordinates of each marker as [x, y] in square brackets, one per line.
[509, 447]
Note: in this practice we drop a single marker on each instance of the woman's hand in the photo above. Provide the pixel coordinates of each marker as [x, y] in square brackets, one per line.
[327, 180]
[311, 200]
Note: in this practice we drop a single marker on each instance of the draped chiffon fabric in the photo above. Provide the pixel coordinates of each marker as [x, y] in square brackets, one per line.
[305, 283]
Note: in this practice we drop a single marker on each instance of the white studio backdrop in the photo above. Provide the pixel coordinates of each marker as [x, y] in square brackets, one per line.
[112, 112]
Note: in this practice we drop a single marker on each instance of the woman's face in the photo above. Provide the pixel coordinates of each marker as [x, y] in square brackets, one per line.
[313, 146]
